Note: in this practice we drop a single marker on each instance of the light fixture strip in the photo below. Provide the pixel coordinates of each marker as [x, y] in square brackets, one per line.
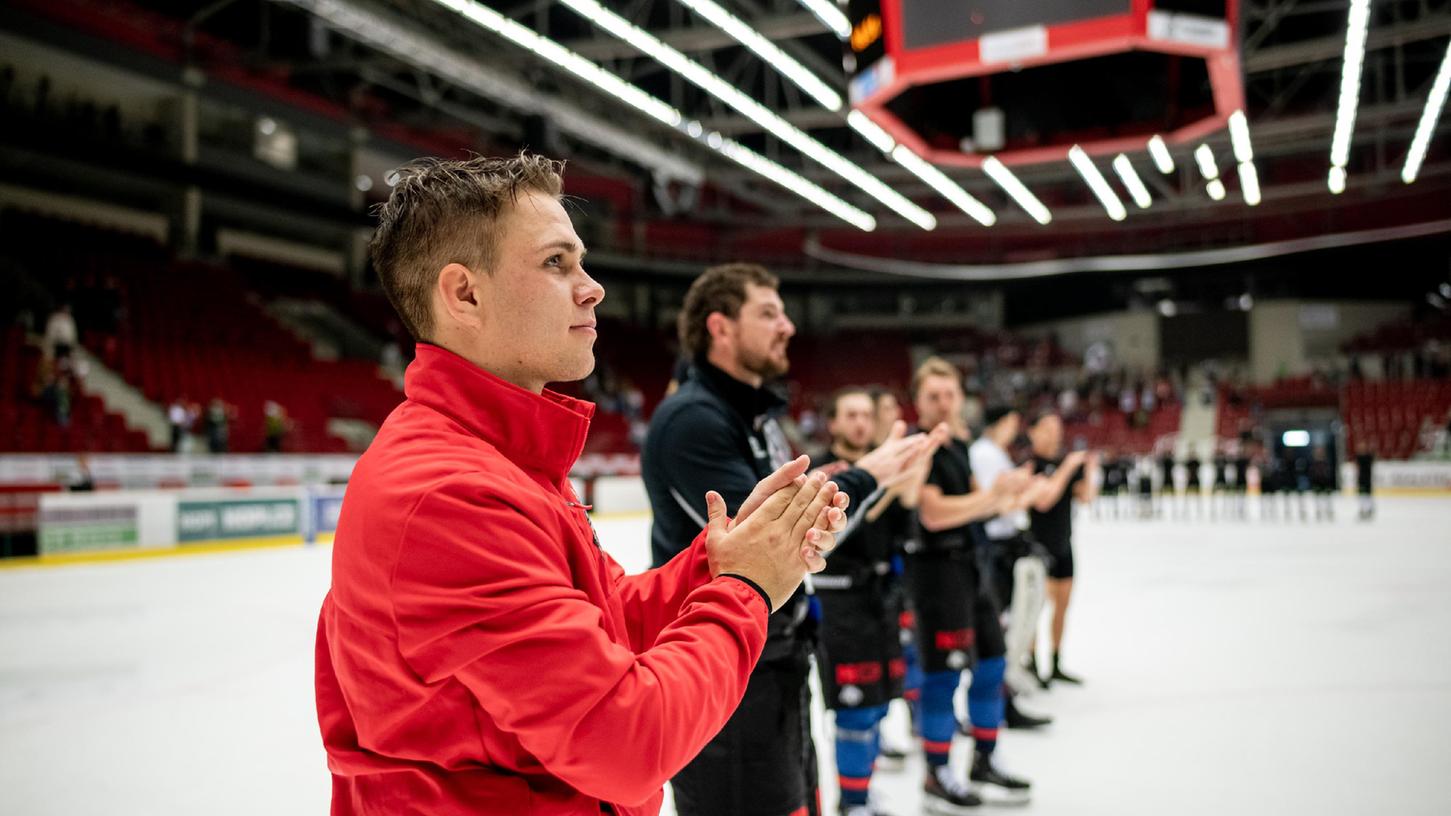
[1204, 157]
[871, 131]
[829, 13]
[796, 183]
[768, 51]
[1130, 177]
[1160, 153]
[921, 168]
[1350, 70]
[643, 101]
[1249, 179]
[1429, 114]
[950, 190]
[1249, 183]
[1016, 190]
[713, 84]
[1097, 183]
[1239, 137]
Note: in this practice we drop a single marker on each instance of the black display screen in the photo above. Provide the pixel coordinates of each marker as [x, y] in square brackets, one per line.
[1203, 8]
[868, 40]
[927, 23]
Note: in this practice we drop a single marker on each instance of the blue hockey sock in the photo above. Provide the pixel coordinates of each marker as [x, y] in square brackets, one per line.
[985, 702]
[938, 720]
[857, 746]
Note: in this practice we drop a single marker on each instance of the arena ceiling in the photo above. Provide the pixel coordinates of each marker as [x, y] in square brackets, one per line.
[541, 73]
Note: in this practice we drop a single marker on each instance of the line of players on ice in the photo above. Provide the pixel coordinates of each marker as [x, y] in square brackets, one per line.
[1218, 487]
[949, 571]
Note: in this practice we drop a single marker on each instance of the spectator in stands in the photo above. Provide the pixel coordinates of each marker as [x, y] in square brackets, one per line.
[275, 426]
[180, 418]
[52, 389]
[60, 333]
[217, 423]
[83, 481]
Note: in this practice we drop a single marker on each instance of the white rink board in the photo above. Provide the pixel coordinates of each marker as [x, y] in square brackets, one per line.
[1233, 668]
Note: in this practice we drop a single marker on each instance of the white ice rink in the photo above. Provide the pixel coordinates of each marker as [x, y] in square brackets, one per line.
[1233, 668]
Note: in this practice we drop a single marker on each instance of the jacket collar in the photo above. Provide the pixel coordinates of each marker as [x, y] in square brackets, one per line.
[751, 403]
[542, 433]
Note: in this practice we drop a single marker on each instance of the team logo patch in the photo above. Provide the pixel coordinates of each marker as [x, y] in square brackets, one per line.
[850, 696]
[957, 659]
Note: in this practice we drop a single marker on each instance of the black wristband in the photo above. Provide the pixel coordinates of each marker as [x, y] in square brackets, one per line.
[753, 585]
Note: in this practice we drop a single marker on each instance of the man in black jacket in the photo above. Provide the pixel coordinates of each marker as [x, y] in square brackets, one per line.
[718, 431]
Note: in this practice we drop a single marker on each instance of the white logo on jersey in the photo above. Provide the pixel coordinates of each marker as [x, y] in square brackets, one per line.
[756, 448]
[850, 695]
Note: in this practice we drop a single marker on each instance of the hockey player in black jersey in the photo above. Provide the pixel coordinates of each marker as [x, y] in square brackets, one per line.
[861, 662]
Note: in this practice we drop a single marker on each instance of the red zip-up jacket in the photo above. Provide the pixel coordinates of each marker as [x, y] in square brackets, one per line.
[478, 652]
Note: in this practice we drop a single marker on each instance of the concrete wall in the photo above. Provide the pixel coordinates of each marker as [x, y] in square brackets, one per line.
[1329, 324]
[1276, 343]
[1288, 336]
[1134, 336]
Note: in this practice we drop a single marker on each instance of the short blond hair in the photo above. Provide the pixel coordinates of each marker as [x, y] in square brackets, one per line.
[934, 366]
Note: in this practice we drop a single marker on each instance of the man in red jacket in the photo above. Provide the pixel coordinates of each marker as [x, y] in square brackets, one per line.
[478, 652]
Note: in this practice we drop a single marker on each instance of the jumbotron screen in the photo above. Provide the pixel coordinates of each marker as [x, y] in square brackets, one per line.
[926, 23]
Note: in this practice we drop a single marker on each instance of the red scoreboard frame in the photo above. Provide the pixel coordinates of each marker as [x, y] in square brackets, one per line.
[1144, 27]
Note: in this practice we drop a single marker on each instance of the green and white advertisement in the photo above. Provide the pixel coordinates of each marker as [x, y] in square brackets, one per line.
[237, 518]
[85, 529]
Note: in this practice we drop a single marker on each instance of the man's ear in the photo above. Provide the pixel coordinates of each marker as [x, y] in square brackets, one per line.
[717, 325]
[456, 295]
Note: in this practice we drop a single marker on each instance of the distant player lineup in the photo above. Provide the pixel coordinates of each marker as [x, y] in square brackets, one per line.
[1219, 487]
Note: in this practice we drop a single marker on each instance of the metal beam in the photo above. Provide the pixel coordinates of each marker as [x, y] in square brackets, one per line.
[806, 118]
[1328, 48]
[703, 37]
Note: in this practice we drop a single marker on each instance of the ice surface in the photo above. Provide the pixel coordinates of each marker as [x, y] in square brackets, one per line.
[1232, 668]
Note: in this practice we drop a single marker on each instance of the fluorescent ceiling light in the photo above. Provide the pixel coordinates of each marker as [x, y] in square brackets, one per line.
[769, 120]
[1097, 183]
[1024, 198]
[1249, 183]
[1215, 188]
[1205, 158]
[1349, 85]
[1239, 137]
[1130, 177]
[786, 64]
[1336, 181]
[1249, 178]
[427, 54]
[1429, 115]
[796, 183]
[827, 12]
[922, 169]
[1160, 152]
[871, 131]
